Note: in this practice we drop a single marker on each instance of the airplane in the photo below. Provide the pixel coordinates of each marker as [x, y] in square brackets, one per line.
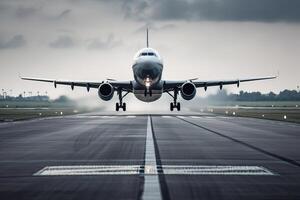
[147, 85]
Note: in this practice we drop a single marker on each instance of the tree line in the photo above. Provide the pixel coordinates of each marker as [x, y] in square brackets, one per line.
[285, 95]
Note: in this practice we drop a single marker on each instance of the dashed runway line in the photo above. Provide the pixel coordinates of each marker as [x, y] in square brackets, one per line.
[179, 116]
[131, 116]
[195, 117]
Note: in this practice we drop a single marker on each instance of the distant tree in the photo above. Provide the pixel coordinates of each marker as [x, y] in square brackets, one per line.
[286, 95]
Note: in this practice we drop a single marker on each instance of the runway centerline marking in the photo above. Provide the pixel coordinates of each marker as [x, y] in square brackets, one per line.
[151, 183]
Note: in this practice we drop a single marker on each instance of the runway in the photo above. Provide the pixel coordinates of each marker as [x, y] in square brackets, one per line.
[149, 156]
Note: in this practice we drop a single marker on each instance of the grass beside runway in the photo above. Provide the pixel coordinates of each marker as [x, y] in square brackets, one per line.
[15, 114]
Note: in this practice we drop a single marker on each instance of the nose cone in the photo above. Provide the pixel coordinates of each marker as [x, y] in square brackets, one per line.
[147, 70]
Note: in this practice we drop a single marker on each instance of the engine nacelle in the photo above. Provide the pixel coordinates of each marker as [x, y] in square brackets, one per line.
[188, 90]
[106, 91]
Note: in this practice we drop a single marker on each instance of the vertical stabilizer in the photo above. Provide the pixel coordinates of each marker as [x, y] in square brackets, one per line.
[147, 39]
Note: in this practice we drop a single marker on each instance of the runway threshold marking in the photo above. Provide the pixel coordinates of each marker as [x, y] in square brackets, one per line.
[216, 170]
[83, 170]
[282, 158]
[73, 170]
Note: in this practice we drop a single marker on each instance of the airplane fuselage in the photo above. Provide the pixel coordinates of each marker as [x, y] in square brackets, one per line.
[147, 70]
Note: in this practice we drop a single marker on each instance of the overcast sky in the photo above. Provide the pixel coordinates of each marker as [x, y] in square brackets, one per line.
[96, 39]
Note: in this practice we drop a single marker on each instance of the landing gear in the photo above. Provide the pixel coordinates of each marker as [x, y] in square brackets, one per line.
[121, 104]
[175, 104]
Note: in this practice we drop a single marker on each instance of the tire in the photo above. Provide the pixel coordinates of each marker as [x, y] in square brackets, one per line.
[117, 107]
[124, 106]
[171, 106]
[178, 106]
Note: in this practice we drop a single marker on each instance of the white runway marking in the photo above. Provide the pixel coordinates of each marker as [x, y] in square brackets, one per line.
[208, 117]
[195, 117]
[130, 116]
[77, 170]
[181, 116]
[89, 170]
[215, 170]
[151, 184]
[108, 117]
[166, 116]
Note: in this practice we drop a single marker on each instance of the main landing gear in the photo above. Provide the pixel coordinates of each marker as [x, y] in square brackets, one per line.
[121, 104]
[175, 104]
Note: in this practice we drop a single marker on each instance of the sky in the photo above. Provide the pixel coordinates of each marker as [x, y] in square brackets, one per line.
[97, 39]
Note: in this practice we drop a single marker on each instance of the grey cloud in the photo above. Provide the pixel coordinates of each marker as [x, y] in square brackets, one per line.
[13, 43]
[62, 42]
[64, 14]
[23, 12]
[109, 43]
[38, 10]
[154, 27]
[214, 10]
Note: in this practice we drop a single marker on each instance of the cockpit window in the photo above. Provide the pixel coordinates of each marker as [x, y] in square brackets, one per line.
[147, 54]
[151, 54]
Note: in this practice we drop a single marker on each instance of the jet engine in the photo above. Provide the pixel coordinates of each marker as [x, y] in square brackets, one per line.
[106, 91]
[188, 90]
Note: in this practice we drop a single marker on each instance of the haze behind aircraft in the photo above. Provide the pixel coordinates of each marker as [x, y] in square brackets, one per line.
[147, 85]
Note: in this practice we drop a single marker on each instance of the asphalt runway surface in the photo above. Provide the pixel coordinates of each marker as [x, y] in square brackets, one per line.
[152, 156]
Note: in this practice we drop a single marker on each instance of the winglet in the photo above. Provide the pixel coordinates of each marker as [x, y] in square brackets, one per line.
[147, 38]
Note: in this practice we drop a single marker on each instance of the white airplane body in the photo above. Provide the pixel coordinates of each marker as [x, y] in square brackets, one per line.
[147, 85]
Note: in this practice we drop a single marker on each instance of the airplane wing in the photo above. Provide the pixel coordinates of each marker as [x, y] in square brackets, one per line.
[171, 85]
[124, 85]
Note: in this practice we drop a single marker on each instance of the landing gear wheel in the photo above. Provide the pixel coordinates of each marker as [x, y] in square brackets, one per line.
[124, 106]
[175, 105]
[178, 106]
[117, 106]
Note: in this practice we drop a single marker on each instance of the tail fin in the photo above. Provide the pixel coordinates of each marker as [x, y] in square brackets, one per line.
[147, 38]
